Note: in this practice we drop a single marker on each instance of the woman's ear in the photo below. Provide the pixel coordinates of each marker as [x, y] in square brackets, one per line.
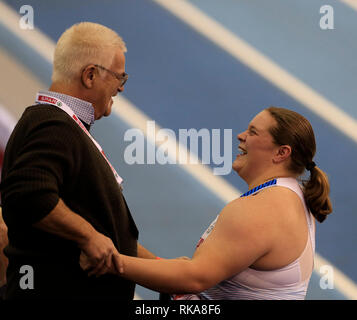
[282, 153]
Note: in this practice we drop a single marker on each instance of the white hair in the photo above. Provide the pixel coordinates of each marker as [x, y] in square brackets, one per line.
[83, 44]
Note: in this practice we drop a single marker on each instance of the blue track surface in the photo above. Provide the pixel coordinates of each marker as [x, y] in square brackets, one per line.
[182, 80]
[288, 32]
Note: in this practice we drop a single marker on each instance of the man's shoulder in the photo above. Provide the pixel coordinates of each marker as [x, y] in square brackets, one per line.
[44, 112]
[40, 116]
[45, 122]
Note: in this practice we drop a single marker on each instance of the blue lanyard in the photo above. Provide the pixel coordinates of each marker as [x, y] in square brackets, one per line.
[262, 186]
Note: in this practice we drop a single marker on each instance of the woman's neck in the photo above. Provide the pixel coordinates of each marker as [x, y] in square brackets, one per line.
[258, 181]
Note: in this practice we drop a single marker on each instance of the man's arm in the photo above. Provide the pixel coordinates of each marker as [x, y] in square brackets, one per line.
[65, 223]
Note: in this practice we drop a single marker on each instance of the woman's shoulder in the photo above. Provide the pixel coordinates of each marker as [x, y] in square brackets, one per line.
[277, 194]
[264, 206]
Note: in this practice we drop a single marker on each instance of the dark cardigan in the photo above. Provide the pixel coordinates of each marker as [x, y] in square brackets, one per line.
[48, 157]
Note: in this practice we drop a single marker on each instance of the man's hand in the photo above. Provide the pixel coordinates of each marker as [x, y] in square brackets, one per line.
[115, 267]
[97, 255]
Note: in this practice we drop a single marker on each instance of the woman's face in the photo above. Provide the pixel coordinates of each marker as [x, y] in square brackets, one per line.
[256, 147]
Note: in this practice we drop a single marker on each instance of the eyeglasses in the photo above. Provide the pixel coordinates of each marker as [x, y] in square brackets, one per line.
[121, 77]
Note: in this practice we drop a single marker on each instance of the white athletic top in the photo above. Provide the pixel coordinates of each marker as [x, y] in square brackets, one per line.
[287, 283]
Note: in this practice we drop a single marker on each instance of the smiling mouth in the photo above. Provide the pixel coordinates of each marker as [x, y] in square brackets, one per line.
[242, 152]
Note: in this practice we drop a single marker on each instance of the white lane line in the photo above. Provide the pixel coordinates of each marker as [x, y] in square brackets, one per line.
[33, 38]
[245, 53]
[135, 118]
[351, 3]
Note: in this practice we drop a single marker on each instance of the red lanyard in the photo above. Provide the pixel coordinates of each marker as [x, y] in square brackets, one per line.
[46, 99]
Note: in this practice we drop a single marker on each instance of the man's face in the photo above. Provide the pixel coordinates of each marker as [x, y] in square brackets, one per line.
[107, 86]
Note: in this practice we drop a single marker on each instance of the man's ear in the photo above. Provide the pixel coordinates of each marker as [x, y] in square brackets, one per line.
[282, 153]
[88, 76]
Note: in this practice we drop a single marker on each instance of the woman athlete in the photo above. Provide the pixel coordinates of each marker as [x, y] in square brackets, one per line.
[261, 245]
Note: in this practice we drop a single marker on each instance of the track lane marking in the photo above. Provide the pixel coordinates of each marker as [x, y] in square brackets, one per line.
[255, 60]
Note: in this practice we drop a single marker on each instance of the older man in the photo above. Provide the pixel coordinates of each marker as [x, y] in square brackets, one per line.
[60, 194]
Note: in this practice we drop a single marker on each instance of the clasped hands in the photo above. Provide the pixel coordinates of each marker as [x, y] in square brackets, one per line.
[99, 256]
[95, 267]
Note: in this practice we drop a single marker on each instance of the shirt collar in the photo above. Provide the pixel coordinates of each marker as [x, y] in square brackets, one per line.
[82, 109]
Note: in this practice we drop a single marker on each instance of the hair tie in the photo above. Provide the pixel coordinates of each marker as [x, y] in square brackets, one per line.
[311, 166]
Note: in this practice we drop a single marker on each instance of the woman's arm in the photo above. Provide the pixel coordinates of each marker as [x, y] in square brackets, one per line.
[240, 237]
